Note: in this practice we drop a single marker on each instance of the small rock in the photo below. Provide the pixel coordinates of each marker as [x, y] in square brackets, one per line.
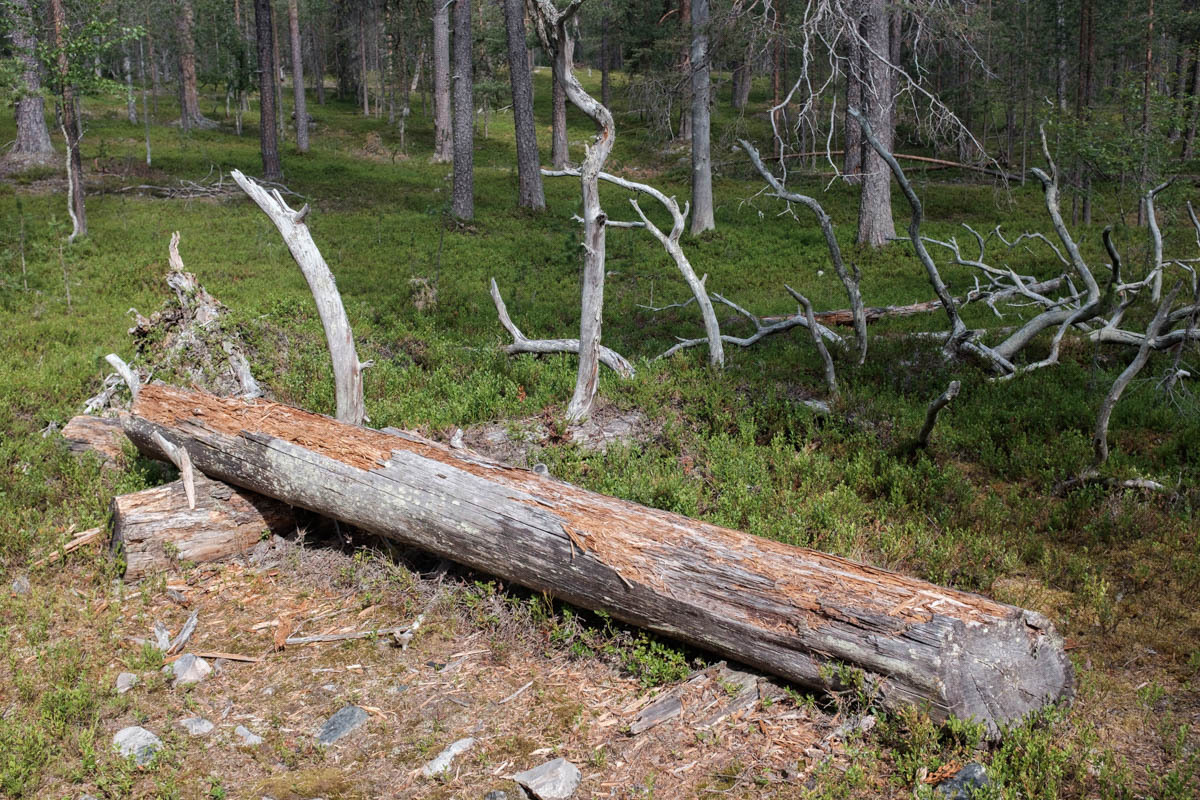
[496, 794]
[196, 726]
[86, 796]
[330, 687]
[554, 780]
[343, 722]
[964, 785]
[248, 739]
[137, 742]
[269, 691]
[190, 669]
[442, 762]
[126, 681]
[20, 585]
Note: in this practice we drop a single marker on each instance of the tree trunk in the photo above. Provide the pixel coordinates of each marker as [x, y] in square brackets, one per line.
[797, 613]
[189, 113]
[267, 134]
[1060, 55]
[130, 100]
[1144, 172]
[33, 137]
[875, 225]
[740, 83]
[559, 156]
[1189, 139]
[155, 530]
[685, 70]
[702, 199]
[529, 175]
[463, 203]
[300, 102]
[70, 128]
[318, 63]
[442, 127]
[852, 159]
[605, 66]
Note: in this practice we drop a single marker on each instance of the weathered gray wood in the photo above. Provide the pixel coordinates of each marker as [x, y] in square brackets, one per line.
[792, 612]
[156, 529]
[664, 709]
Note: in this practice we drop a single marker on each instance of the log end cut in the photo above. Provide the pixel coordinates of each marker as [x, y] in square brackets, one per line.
[1000, 671]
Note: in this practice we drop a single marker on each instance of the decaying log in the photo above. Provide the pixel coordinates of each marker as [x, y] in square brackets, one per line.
[155, 527]
[797, 613]
[100, 435]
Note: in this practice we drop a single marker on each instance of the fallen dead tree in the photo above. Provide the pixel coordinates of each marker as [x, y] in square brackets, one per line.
[793, 612]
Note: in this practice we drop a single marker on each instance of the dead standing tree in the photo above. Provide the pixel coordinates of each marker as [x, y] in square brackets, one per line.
[551, 24]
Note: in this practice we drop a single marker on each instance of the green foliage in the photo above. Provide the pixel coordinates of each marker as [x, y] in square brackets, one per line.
[654, 663]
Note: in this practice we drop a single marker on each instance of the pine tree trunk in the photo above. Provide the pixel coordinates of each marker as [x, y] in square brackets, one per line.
[743, 76]
[267, 134]
[189, 114]
[685, 71]
[852, 157]
[442, 126]
[299, 100]
[702, 199]
[33, 137]
[529, 175]
[463, 204]
[875, 225]
[559, 157]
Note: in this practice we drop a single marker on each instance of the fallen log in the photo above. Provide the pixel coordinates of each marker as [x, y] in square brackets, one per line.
[156, 529]
[793, 612]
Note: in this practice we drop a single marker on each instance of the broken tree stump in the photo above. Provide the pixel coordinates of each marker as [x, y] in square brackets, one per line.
[100, 435]
[793, 612]
[156, 529]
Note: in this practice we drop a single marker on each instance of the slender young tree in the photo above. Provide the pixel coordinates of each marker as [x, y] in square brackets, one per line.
[529, 176]
[463, 204]
[65, 89]
[301, 106]
[702, 199]
[33, 138]
[442, 127]
[267, 133]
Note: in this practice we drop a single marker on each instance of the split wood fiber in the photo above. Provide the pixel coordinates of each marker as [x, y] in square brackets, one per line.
[793, 612]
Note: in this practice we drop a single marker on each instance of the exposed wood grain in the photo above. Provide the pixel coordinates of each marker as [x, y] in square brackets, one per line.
[790, 611]
[155, 528]
[100, 435]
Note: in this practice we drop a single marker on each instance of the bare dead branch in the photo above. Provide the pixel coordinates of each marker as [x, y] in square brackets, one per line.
[931, 414]
[608, 357]
[830, 374]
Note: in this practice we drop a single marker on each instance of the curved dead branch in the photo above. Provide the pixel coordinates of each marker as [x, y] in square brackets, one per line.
[850, 281]
[608, 357]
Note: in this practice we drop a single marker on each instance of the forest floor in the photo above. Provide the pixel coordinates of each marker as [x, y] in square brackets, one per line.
[1119, 573]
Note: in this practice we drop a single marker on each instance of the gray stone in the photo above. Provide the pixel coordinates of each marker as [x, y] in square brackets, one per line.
[137, 742]
[86, 796]
[343, 722]
[190, 669]
[554, 780]
[248, 739]
[126, 681]
[20, 585]
[196, 726]
[444, 758]
[964, 785]
[496, 794]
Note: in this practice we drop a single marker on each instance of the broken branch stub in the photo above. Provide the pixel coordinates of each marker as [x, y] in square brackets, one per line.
[347, 370]
[793, 612]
